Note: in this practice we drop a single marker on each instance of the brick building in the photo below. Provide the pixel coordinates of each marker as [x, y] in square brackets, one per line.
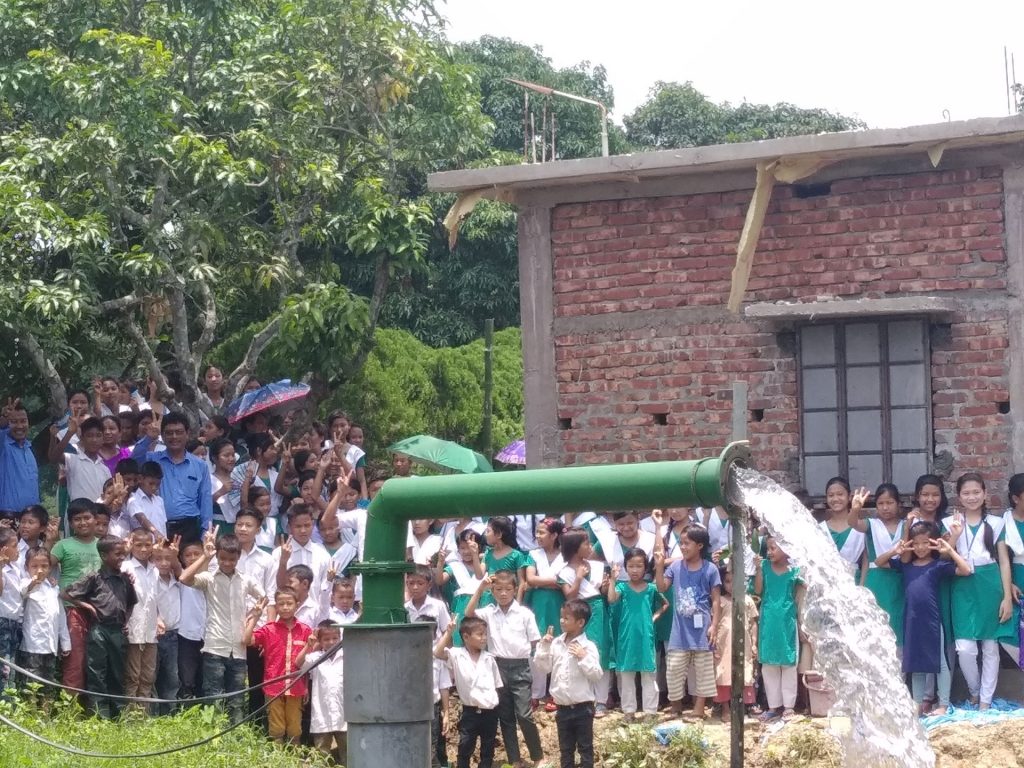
[881, 333]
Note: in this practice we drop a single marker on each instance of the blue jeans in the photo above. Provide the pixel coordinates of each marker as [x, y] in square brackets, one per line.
[223, 675]
[166, 670]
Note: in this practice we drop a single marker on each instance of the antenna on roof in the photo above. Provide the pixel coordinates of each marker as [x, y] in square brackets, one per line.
[546, 91]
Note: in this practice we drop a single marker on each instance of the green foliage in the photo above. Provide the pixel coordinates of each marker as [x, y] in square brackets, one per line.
[805, 747]
[635, 747]
[678, 115]
[64, 723]
[407, 388]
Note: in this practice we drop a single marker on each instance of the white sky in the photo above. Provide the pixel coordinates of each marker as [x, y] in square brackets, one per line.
[890, 62]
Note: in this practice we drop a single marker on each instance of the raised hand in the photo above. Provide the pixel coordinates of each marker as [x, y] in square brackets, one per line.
[172, 545]
[13, 404]
[97, 384]
[860, 496]
[616, 570]
[286, 549]
[658, 517]
[210, 541]
[153, 430]
[473, 547]
[549, 635]
[956, 526]
[659, 558]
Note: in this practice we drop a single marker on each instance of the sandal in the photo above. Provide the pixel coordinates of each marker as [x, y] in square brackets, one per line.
[788, 715]
[768, 716]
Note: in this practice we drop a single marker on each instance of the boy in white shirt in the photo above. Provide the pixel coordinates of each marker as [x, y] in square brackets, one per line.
[145, 507]
[44, 626]
[420, 605]
[327, 725]
[191, 630]
[512, 635]
[343, 599]
[300, 549]
[476, 677]
[11, 575]
[168, 612]
[575, 667]
[140, 659]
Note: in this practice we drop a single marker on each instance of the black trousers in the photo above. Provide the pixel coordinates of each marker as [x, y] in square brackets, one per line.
[186, 527]
[576, 734]
[474, 724]
[438, 744]
[254, 670]
[190, 668]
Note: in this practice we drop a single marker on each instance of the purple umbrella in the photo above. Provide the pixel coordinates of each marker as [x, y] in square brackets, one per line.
[266, 398]
[513, 453]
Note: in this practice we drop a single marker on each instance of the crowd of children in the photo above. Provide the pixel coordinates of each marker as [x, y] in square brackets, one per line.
[154, 582]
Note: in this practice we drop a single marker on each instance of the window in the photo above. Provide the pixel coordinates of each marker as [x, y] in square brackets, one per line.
[865, 402]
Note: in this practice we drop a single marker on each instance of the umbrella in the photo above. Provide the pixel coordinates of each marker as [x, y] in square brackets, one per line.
[442, 455]
[266, 398]
[513, 453]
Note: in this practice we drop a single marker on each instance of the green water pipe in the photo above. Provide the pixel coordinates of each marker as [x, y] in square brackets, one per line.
[701, 482]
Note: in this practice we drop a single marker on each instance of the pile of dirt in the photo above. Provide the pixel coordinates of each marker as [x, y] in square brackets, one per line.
[802, 743]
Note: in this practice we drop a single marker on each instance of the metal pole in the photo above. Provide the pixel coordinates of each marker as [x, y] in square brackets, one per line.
[604, 132]
[485, 436]
[526, 126]
[739, 591]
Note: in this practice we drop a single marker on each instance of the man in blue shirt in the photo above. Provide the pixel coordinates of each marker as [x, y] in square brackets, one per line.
[185, 488]
[19, 473]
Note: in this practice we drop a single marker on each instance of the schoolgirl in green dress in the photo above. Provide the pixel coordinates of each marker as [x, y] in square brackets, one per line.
[778, 583]
[458, 578]
[848, 541]
[883, 533]
[544, 594]
[984, 613]
[640, 606]
[1013, 520]
[502, 555]
[587, 579]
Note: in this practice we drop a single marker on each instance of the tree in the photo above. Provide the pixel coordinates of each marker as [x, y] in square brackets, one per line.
[163, 165]
[678, 115]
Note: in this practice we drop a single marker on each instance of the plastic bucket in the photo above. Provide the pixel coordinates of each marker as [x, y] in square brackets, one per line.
[821, 698]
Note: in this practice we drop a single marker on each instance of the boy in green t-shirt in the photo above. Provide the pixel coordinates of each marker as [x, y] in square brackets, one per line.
[77, 557]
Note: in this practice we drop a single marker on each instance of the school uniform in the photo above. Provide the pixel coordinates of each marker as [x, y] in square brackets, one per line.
[598, 630]
[310, 554]
[140, 660]
[152, 507]
[449, 538]
[11, 611]
[190, 642]
[886, 584]
[477, 681]
[168, 611]
[545, 603]
[573, 691]
[327, 724]
[44, 629]
[261, 567]
[850, 544]
[511, 634]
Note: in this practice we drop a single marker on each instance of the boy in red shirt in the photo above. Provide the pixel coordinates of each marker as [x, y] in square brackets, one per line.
[281, 642]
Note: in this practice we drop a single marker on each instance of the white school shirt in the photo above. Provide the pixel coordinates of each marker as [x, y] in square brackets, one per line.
[193, 613]
[44, 627]
[572, 679]
[432, 609]
[591, 586]
[352, 523]
[85, 476]
[510, 634]
[971, 545]
[337, 616]
[120, 525]
[1013, 538]
[261, 568]
[150, 506]
[309, 612]
[476, 681]
[141, 626]
[327, 698]
[168, 603]
[226, 611]
[312, 554]
[22, 551]
[10, 598]
[422, 553]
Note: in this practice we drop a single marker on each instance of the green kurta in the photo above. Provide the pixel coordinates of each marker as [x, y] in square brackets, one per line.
[634, 640]
[513, 561]
[887, 587]
[597, 630]
[976, 600]
[777, 630]
[1018, 568]
[545, 602]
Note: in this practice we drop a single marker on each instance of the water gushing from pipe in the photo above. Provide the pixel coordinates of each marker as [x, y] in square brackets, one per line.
[854, 647]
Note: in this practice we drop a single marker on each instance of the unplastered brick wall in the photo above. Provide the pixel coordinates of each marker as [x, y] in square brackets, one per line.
[633, 391]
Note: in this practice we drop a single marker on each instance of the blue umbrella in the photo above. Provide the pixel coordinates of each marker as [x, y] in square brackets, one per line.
[266, 398]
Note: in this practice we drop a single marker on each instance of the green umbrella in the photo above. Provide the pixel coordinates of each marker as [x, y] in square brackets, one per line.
[442, 455]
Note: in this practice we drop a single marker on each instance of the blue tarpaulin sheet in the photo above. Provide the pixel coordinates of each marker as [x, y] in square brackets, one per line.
[967, 713]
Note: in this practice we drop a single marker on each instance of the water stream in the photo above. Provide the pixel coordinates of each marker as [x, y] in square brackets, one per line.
[854, 647]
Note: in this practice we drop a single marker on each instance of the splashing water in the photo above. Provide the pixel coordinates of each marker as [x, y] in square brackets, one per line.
[854, 647]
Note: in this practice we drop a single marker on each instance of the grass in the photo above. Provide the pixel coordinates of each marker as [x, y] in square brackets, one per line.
[635, 747]
[803, 748]
[64, 722]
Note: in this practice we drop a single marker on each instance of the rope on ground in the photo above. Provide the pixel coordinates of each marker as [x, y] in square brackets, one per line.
[169, 750]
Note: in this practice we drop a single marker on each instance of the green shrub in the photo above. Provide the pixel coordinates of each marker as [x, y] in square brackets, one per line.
[635, 747]
[64, 722]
